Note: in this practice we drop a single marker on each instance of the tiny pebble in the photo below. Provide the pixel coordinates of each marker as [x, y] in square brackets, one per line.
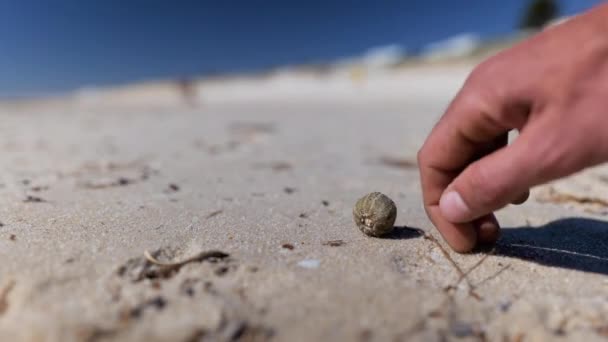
[461, 329]
[309, 263]
[288, 246]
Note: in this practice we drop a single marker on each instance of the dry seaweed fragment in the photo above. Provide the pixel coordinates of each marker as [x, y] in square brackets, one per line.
[158, 303]
[149, 267]
[276, 166]
[33, 199]
[102, 184]
[398, 163]
[214, 213]
[334, 243]
[4, 296]
[172, 187]
[591, 204]
[202, 256]
[289, 190]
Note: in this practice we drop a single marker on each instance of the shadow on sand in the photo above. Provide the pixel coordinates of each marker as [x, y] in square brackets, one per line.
[574, 243]
[404, 233]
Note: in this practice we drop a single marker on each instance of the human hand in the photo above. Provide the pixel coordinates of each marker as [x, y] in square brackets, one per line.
[553, 89]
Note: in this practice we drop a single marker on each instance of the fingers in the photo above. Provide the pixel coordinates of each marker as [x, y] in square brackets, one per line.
[465, 133]
[492, 182]
[462, 237]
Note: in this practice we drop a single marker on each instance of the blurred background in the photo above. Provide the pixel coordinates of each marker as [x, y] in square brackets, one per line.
[53, 47]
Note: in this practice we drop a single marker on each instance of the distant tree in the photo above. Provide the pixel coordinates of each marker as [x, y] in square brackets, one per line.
[539, 13]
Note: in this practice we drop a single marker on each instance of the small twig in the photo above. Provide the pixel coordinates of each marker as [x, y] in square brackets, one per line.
[445, 253]
[475, 295]
[448, 301]
[472, 287]
[477, 264]
[506, 267]
[462, 275]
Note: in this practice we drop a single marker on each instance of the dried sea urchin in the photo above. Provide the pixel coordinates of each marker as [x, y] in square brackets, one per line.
[375, 214]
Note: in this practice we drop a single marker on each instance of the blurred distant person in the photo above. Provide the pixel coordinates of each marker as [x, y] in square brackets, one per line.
[553, 89]
[187, 88]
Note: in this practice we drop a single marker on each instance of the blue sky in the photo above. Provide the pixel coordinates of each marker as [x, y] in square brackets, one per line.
[52, 46]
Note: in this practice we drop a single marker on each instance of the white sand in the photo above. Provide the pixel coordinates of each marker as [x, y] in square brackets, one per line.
[254, 163]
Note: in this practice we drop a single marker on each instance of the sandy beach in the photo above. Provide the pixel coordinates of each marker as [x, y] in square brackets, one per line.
[256, 180]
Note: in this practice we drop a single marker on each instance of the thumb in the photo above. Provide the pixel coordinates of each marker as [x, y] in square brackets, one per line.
[492, 182]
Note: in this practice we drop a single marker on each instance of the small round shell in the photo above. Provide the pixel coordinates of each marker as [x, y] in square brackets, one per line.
[375, 214]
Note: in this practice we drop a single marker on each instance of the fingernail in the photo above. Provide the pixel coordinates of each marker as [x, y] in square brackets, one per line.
[453, 207]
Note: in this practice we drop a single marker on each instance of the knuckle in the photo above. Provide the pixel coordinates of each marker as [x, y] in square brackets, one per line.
[487, 80]
[493, 65]
[487, 191]
[486, 93]
[482, 72]
[421, 156]
[473, 99]
[478, 94]
[424, 155]
[427, 158]
[550, 157]
[558, 157]
[553, 156]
